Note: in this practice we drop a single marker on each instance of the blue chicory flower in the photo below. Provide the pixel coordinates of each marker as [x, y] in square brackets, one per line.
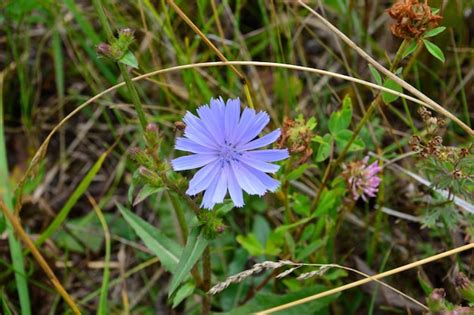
[223, 142]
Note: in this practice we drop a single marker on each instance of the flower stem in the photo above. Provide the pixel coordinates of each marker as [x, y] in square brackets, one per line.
[206, 266]
[134, 95]
[123, 70]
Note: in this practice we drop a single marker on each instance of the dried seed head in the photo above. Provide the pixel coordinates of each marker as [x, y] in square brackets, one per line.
[424, 113]
[415, 143]
[457, 174]
[412, 18]
[296, 135]
[463, 152]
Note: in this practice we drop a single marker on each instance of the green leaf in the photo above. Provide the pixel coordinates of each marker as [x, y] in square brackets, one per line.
[297, 172]
[410, 48]
[167, 250]
[129, 59]
[425, 284]
[261, 228]
[86, 229]
[389, 97]
[251, 244]
[324, 148]
[145, 192]
[223, 208]
[183, 292]
[193, 250]
[342, 118]
[434, 50]
[71, 202]
[375, 74]
[310, 249]
[344, 136]
[329, 200]
[434, 32]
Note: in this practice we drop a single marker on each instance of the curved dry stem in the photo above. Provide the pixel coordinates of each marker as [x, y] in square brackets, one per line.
[366, 276]
[43, 147]
[435, 106]
[369, 279]
[385, 285]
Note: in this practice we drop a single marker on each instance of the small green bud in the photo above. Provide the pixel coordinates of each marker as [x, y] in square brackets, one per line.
[436, 301]
[125, 39]
[152, 135]
[133, 152]
[149, 176]
[104, 50]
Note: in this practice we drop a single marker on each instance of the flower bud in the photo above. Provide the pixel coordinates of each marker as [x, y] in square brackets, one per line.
[436, 301]
[133, 152]
[125, 38]
[125, 32]
[104, 50]
[464, 286]
[151, 134]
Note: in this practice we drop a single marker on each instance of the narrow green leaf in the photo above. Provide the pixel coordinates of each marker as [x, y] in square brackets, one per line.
[167, 250]
[192, 252]
[6, 194]
[222, 209]
[297, 172]
[71, 202]
[104, 289]
[375, 74]
[434, 32]
[425, 284]
[183, 292]
[129, 60]
[145, 192]
[388, 97]
[6, 309]
[410, 49]
[434, 50]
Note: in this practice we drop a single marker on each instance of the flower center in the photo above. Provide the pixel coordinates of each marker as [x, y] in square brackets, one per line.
[228, 153]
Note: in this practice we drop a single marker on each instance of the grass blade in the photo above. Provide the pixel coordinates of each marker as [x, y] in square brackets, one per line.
[78, 192]
[104, 289]
[6, 195]
[5, 308]
[192, 252]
